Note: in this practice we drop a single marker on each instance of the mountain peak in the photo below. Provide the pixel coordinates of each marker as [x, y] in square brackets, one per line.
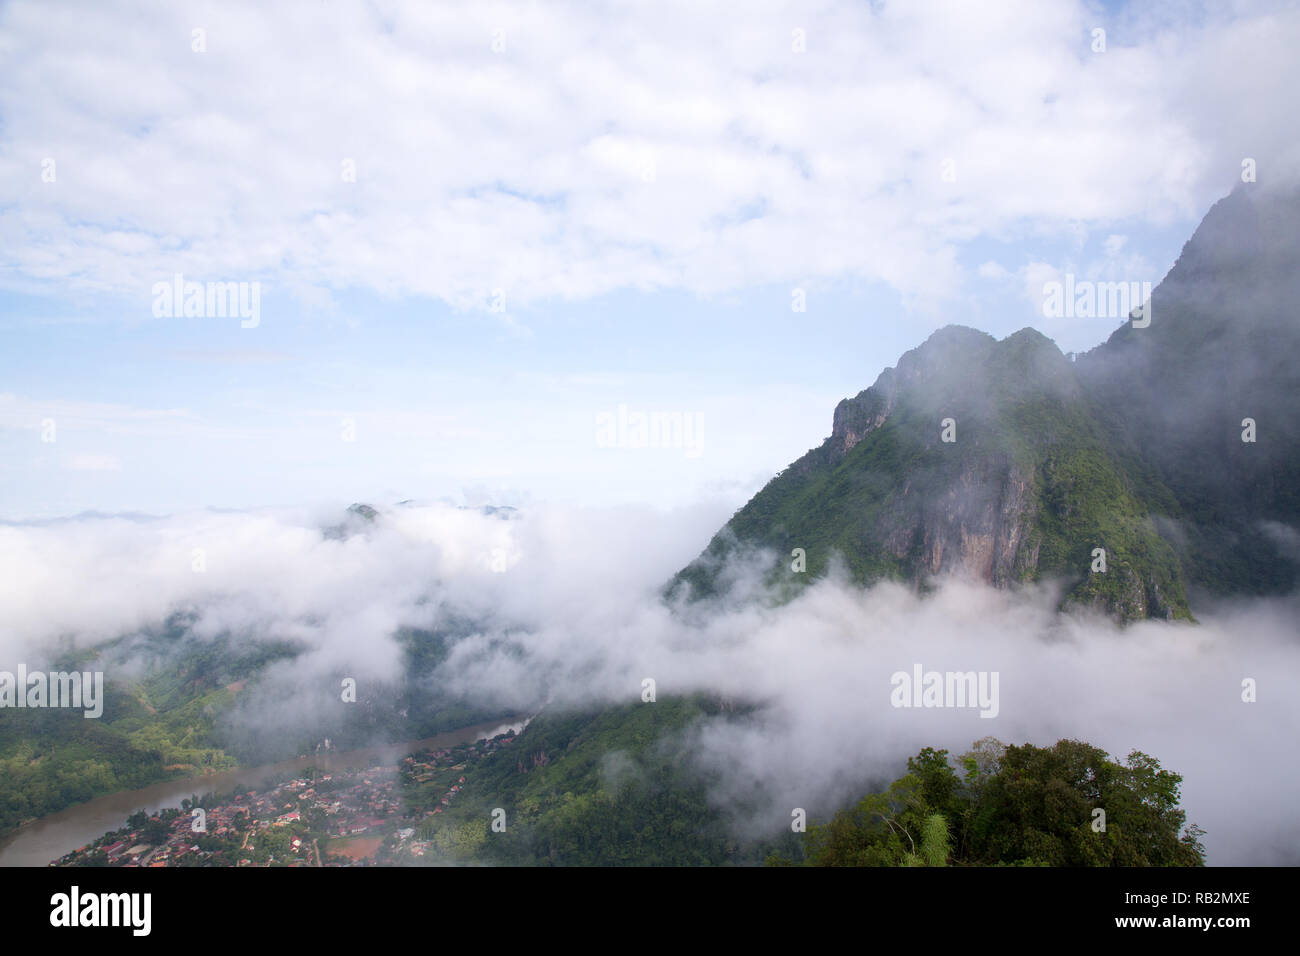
[1006, 461]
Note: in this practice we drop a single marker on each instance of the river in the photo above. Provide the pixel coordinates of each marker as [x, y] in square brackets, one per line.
[41, 841]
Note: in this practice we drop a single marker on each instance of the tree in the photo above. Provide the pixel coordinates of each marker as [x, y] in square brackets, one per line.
[1040, 807]
[881, 830]
[939, 783]
[1017, 805]
[935, 845]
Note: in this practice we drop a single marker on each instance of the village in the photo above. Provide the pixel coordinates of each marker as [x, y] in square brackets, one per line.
[379, 815]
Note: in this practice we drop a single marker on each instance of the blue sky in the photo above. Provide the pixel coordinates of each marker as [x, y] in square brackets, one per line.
[642, 195]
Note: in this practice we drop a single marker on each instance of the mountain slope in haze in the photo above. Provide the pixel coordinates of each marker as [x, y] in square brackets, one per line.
[180, 701]
[1134, 448]
[1175, 398]
[1008, 462]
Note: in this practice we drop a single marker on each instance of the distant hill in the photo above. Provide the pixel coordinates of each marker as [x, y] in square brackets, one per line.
[1007, 461]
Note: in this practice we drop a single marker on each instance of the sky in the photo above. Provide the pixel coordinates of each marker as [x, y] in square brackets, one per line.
[480, 233]
[484, 238]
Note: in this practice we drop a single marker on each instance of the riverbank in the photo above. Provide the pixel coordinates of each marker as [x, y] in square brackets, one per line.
[51, 837]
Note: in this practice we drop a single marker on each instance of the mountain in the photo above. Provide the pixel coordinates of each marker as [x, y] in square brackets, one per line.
[1134, 448]
[1009, 462]
[1223, 346]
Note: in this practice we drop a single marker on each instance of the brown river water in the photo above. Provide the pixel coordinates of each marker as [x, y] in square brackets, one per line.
[42, 841]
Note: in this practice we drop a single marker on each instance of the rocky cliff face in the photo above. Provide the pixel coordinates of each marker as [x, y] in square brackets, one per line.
[1007, 462]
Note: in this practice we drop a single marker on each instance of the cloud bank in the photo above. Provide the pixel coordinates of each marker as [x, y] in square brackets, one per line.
[463, 150]
[567, 614]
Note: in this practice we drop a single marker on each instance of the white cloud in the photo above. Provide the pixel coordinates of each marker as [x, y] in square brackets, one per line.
[1035, 276]
[23, 412]
[94, 463]
[674, 146]
[574, 619]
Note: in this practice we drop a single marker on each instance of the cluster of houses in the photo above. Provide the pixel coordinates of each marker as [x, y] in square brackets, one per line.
[351, 803]
[121, 852]
[339, 805]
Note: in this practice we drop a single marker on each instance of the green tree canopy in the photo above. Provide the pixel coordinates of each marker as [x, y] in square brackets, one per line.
[1065, 805]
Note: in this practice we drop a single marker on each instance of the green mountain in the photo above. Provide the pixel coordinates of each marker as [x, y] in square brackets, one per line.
[1134, 448]
[1009, 462]
[190, 704]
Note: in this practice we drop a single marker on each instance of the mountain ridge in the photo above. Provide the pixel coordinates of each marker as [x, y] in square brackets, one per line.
[1006, 461]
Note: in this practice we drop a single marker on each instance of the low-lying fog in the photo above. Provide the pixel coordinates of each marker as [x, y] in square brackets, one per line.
[568, 605]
